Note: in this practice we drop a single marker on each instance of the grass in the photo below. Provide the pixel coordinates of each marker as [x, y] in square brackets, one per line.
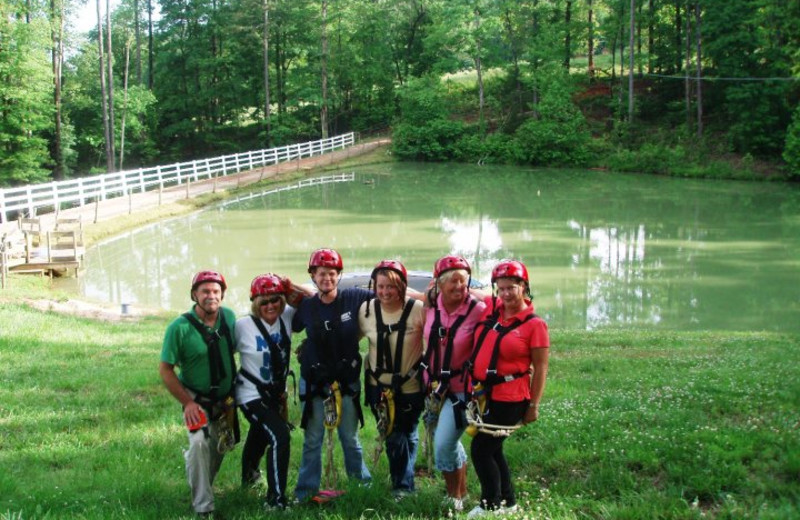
[634, 424]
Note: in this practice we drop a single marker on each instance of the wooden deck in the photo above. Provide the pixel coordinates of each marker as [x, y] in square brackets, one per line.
[32, 249]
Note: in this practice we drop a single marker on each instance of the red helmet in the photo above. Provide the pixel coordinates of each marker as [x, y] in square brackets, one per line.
[510, 269]
[207, 276]
[266, 284]
[448, 263]
[394, 265]
[325, 258]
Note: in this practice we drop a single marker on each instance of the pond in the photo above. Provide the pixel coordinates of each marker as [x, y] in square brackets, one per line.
[603, 249]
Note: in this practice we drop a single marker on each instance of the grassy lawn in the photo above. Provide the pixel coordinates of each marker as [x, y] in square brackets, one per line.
[634, 424]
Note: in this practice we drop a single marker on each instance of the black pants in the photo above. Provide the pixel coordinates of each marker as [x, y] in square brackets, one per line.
[490, 464]
[267, 430]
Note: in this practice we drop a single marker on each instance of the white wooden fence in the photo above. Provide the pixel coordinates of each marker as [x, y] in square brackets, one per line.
[59, 195]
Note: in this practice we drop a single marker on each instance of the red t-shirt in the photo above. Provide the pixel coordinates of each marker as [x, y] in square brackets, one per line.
[515, 351]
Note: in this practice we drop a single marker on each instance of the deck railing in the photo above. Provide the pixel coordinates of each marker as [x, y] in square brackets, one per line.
[28, 200]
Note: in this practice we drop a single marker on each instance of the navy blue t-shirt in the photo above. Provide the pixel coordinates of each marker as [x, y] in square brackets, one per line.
[340, 341]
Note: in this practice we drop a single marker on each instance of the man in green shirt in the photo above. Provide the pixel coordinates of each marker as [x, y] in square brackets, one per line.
[200, 343]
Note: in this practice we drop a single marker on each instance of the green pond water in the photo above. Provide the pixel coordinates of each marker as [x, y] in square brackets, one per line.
[603, 249]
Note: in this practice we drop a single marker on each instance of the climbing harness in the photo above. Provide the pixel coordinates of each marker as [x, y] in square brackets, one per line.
[332, 412]
[226, 426]
[384, 413]
[481, 393]
[476, 409]
[434, 400]
[274, 393]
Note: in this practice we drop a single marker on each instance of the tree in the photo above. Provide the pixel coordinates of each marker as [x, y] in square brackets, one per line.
[107, 130]
[26, 94]
[57, 59]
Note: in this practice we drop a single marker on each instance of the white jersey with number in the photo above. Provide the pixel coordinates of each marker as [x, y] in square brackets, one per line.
[254, 352]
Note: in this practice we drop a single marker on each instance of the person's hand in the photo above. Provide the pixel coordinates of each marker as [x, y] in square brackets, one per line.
[192, 413]
[531, 414]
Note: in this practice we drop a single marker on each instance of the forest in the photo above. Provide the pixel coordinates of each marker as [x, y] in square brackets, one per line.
[706, 88]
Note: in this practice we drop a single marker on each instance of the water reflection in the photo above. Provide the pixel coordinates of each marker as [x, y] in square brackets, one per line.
[603, 249]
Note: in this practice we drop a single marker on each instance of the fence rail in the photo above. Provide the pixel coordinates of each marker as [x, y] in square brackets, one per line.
[28, 200]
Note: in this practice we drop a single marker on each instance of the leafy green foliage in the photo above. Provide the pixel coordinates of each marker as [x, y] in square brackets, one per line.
[791, 153]
[557, 133]
[26, 92]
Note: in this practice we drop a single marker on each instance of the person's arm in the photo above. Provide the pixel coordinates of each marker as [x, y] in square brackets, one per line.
[539, 363]
[191, 410]
[298, 292]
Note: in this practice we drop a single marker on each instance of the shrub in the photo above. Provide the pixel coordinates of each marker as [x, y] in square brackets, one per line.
[791, 150]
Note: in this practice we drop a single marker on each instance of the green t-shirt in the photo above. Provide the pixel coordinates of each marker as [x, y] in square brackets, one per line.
[185, 347]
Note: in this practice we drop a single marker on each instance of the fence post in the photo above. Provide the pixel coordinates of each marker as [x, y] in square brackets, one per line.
[3, 206]
[141, 180]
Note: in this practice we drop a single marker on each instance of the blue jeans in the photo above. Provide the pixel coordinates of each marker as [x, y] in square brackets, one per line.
[310, 474]
[448, 451]
[402, 443]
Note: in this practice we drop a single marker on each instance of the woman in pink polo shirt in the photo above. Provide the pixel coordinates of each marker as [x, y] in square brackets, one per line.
[450, 322]
[510, 362]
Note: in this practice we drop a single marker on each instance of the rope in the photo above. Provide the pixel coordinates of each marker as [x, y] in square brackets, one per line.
[384, 412]
[332, 410]
[476, 424]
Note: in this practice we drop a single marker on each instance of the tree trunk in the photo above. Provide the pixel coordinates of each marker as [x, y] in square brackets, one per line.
[639, 36]
[650, 36]
[324, 64]
[138, 31]
[678, 35]
[110, 72]
[699, 86]
[103, 93]
[57, 55]
[568, 35]
[124, 103]
[150, 44]
[591, 41]
[279, 73]
[266, 69]
[631, 60]
[479, 70]
[687, 85]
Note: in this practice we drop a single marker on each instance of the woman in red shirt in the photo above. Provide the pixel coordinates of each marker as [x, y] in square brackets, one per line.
[510, 361]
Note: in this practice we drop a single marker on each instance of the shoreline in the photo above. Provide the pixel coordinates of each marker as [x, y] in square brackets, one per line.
[117, 216]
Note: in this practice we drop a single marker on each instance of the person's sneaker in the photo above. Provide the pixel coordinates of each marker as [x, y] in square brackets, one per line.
[276, 504]
[251, 479]
[400, 494]
[454, 504]
[510, 509]
[477, 512]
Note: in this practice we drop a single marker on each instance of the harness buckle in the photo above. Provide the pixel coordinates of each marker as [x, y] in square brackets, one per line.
[442, 332]
[327, 325]
[491, 372]
[496, 327]
[508, 378]
[390, 329]
[444, 373]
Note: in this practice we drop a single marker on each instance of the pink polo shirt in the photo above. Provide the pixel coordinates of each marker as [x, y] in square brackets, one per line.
[462, 341]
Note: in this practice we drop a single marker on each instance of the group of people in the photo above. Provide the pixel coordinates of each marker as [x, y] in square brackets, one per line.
[460, 356]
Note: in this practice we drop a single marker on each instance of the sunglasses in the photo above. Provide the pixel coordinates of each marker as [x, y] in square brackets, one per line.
[271, 299]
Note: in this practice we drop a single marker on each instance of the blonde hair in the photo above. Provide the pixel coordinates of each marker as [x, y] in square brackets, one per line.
[445, 276]
[255, 307]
